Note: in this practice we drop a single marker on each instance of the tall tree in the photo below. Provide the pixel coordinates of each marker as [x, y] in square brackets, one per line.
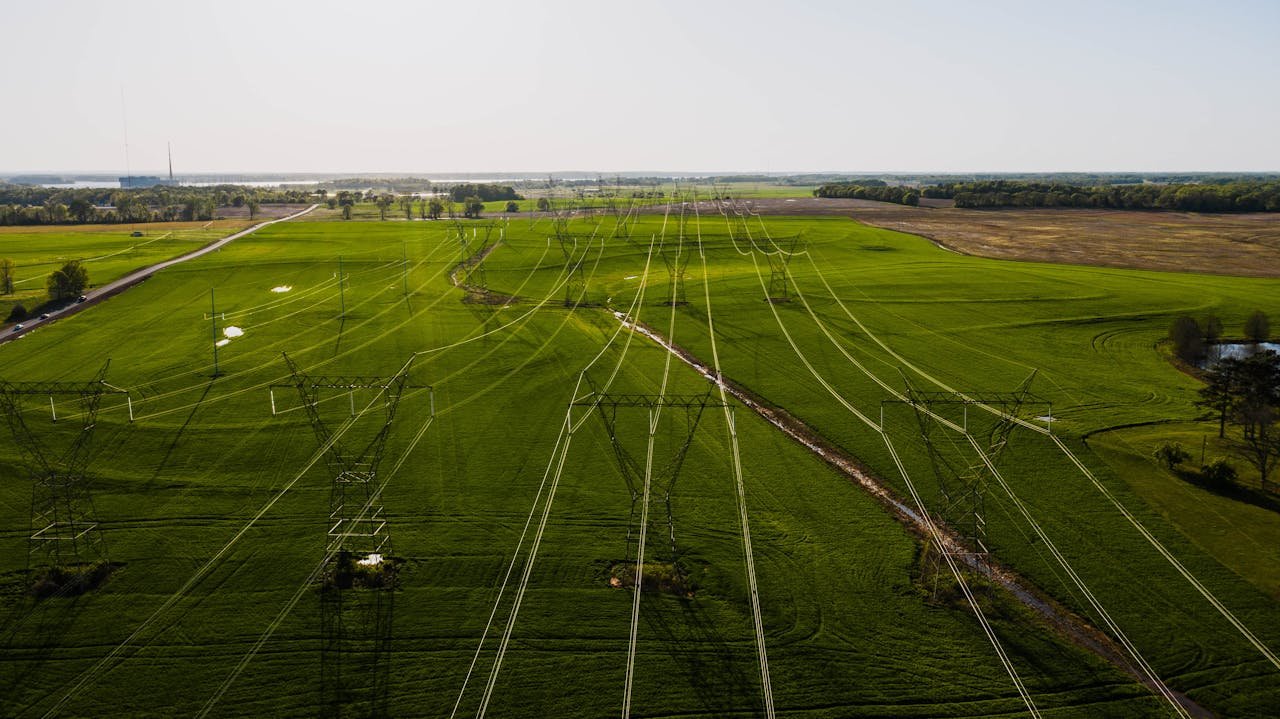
[1257, 408]
[1188, 341]
[82, 209]
[1219, 394]
[1258, 327]
[7, 268]
[67, 281]
[1212, 328]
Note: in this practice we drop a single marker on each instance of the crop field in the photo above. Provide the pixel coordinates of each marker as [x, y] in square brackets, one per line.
[107, 251]
[1243, 244]
[529, 463]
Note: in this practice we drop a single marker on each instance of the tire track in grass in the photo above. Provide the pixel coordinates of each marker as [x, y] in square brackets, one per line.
[325, 344]
[762, 656]
[1164, 552]
[92, 672]
[923, 515]
[1144, 672]
[551, 480]
[256, 647]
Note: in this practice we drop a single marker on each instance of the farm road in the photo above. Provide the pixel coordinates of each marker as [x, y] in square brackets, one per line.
[117, 286]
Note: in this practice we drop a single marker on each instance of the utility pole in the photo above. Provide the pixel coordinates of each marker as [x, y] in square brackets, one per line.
[342, 289]
[213, 317]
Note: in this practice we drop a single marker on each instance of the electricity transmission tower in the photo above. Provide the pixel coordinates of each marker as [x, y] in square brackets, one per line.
[779, 262]
[619, 414]
[676, 260]
[357, 595]
[470, 272]
[64, 527]
[962, 475]
[575, 288]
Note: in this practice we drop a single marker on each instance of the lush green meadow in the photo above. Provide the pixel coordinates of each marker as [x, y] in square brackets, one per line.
[216, 513]
[107, 251]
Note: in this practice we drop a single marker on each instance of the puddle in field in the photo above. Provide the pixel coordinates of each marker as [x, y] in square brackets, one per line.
[281, 289]
[1235, 350]
[232, 331]
[630, 277]
[222, 343]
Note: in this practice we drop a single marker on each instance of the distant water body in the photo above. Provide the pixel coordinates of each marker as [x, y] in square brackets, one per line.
[115, 184]
[1236, 350]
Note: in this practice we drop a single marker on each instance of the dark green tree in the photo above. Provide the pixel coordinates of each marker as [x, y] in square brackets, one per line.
[1258, 327]
[1212, 328]
[7, 271]
[473, 207]
[1219, 474]
[1171, 454]
[1220, 390]
[82, 209]
[1256, 410]
[68, 281]
[1187, 339]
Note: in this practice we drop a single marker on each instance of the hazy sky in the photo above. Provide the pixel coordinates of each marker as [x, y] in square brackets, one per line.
[679, 86]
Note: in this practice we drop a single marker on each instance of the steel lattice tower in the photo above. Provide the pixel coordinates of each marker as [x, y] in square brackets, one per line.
[575, 288]
[470, 273]
[609, 406]
[64, 527]
[356, 614]
[962, 484]
[779, 264]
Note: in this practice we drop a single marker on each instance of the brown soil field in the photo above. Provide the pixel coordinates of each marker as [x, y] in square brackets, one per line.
[1235, 244]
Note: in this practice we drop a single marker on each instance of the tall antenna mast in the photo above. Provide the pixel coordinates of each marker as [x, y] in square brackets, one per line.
[170, 146]
[124, 116]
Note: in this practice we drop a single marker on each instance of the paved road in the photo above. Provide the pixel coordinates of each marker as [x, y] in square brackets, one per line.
[117, 286]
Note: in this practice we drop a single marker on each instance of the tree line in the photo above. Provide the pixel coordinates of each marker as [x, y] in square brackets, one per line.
[881, 192]
[485, 192]
[1242, 393]
[1239, 196]
[34, 205]
[1192, 338]
[1245, 396]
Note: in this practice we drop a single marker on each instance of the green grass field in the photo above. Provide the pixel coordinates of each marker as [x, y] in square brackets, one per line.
[107, 251]
[851, 630]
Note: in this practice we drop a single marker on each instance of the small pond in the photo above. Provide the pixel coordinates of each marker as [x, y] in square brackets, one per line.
[1238, 350]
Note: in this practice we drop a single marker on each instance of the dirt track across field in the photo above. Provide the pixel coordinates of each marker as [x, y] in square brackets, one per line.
[1226, 244]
